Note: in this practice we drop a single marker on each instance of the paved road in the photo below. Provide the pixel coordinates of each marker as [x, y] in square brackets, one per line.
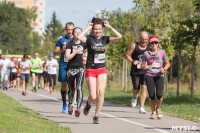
[113, 119]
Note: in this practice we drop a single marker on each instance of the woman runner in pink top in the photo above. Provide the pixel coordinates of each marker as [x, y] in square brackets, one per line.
[153, 63]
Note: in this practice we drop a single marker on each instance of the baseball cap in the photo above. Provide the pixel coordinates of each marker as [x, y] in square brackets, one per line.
[153, 39]
[51, 55]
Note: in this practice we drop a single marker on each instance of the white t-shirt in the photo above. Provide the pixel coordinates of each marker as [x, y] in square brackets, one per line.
[14, 69]
[50, 65]
[25, 64]
[5, 65]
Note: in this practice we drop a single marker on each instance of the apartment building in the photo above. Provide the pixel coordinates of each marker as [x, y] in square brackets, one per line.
[38, 24]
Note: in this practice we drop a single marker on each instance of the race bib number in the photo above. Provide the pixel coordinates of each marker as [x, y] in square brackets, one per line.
[76, 47]
[99, 58]
[156, 65]
[35, 64]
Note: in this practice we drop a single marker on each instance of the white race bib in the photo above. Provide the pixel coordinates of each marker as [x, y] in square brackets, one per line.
[99, 58]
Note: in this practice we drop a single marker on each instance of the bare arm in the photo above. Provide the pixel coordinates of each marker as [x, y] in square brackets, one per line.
[85, 57]
[69, 55]
[167, 65]
[129, 53]
[82, 37]
[117, 34]
[58, 51]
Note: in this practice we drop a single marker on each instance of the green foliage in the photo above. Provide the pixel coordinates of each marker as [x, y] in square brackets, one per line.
[53, 31]
[15, 29]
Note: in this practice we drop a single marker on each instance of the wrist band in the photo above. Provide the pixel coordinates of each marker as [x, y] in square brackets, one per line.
[110, 27]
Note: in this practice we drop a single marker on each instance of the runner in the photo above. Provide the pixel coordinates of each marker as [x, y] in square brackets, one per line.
[96, 74]
[52, 64]
[153, 63]
[19, 81]
[138, 76]
[4, 71]
[60, 50]
[40, 75]
[45, 75]
[13, 65]
[75, 70]
[26, 65]
[37, 62]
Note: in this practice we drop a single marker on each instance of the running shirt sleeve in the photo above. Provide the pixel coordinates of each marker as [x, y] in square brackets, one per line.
[58, 43]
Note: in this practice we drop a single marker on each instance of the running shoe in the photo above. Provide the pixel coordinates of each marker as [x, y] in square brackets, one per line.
[24, 93]
[64, 110]
[86, 109]
[95, 120]
[74, 102]
[6, 88]
[70, 109]
[134, 102]
[77, 112]
[153, 115]
[142, 110]
[34, 89]
[159, 113]
[54, 90]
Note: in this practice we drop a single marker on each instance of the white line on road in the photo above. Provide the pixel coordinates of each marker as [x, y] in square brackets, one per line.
[111, 116]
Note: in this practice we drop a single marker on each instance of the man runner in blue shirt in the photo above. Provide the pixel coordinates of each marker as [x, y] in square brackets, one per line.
[60, 49]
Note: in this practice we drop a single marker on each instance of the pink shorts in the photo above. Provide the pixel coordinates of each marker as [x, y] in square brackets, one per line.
[95, 72]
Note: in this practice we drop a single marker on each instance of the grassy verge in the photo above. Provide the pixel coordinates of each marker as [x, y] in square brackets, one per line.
[14, 118]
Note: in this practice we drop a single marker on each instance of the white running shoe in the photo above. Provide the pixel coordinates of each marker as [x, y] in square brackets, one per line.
[74, 102]
[142, 110]
[133, 102]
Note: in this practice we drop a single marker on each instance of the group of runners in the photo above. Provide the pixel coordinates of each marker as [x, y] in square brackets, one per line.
[18, 72]
[84, 55]
[77, 49]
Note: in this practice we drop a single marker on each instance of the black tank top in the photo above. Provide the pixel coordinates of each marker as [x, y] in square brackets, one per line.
[138, 55]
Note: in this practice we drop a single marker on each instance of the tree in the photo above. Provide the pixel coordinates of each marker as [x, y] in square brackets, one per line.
[15, 28]
[52, 32]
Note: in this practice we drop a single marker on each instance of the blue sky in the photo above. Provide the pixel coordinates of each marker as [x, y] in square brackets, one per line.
[82, 11]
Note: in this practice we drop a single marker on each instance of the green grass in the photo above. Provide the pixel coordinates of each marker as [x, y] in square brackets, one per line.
[14, 118]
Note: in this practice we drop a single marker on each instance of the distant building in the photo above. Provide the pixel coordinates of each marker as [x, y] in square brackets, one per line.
[38, 24]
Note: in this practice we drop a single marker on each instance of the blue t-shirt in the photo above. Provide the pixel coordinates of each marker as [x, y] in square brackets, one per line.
[62, 41]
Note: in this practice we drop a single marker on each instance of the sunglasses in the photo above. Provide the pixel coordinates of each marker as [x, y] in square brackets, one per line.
[154, 43]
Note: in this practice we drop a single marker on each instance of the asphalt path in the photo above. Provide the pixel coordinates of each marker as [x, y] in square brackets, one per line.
[114, 118]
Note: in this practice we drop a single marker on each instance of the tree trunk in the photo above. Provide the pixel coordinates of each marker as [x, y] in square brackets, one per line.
[123, 76]
[178, 72]
[126, 76]
[193, 65]
[119, 78]
[171, 72]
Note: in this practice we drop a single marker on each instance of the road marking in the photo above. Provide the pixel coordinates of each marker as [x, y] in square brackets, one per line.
[111, 116]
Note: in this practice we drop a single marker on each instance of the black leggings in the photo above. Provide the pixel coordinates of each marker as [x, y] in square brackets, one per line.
[153, 82]
[77, 74]
[52, 76]
[45, 77]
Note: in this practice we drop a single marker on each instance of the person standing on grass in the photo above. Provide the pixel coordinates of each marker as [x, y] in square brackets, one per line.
[96, 74]
[25, 67]
[75, 71]
[51, 65]
[37, 63]
[153, 63]
[4, 71]
[138, 76]
[60, 50]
